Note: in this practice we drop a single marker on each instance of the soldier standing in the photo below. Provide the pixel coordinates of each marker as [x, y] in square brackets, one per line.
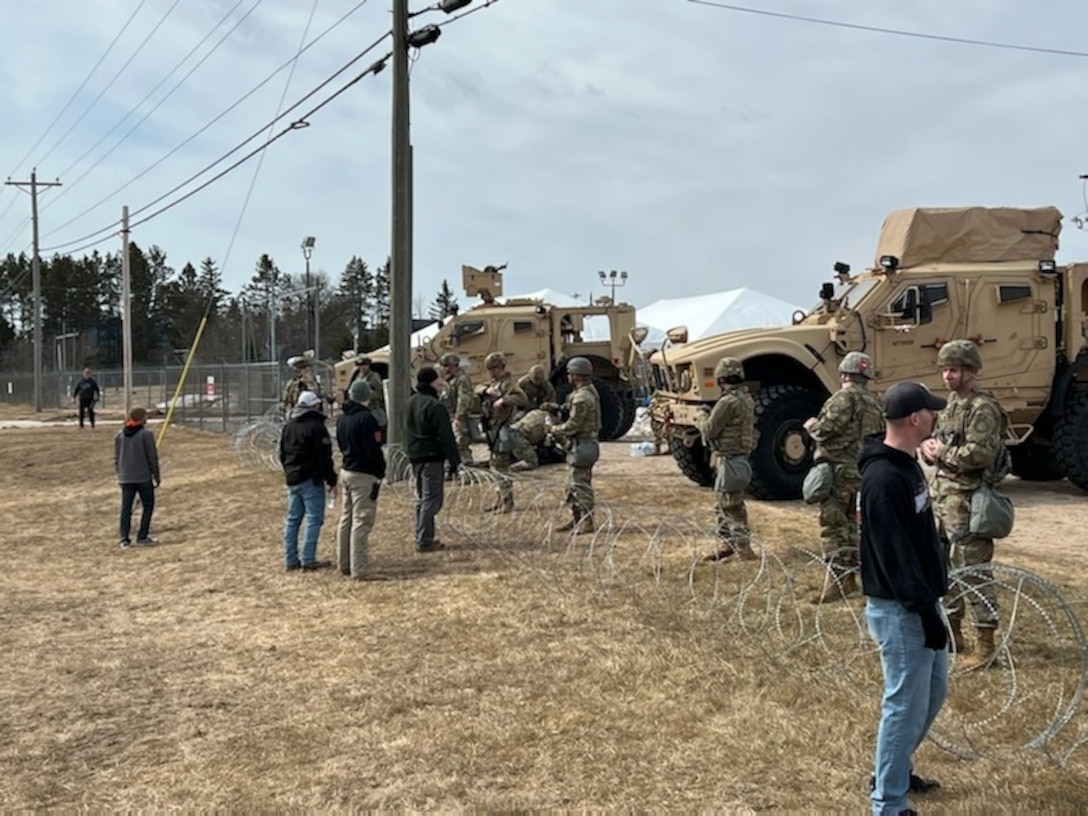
[530, 432]
[968, 449]
[374, 380]
[729, 431]
[499, 401]
[302, 380]
[579, 433]
[457, 397]
[849, 416]
[537, 388]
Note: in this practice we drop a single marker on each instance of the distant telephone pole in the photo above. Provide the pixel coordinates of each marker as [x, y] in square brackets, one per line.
[36, 272]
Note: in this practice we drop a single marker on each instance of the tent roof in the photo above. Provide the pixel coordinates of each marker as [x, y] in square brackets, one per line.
[714, 313]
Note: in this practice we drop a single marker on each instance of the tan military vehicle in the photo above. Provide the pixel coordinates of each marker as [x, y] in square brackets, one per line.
[988, 275]
[529, 332]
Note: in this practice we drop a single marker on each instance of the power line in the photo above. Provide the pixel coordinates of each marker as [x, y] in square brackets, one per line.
[73, 97]
[178, 147]
[896, 31]
[109, 84]
[149, 94]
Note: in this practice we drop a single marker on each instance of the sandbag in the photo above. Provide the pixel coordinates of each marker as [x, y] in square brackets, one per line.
[992, 513]
[818, 483]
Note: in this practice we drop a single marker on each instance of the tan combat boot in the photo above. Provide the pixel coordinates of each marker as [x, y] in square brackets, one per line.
[985, 652]
[836, 590]
[746, 553]
[586, 525]
[500, 505]
[958, 642]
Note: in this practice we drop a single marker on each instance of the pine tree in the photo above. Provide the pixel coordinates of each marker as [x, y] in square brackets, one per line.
[445, 304]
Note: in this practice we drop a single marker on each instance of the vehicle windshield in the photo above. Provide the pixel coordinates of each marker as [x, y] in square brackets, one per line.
[849, 295]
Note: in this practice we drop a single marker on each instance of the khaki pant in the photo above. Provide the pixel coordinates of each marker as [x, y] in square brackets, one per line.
[732, 515]
[838, 518]
[580, 489]
[464, 441]
[523, 451]
[357, 515]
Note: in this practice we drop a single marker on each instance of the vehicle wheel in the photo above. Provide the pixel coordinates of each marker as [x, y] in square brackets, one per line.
[610, 410]
[782, 456]
[1035, 463]
[1071, 440]
[626, 400]
[694, 462]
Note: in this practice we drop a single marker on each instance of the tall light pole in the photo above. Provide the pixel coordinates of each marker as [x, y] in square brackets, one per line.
[315, 302]
[614, 279]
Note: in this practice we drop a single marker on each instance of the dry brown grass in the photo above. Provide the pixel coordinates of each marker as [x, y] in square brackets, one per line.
[198, 675]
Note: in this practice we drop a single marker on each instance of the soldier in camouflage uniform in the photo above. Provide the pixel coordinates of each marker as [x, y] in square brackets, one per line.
[849, 416]
[728, 430]
[967, 448]
[537, 388]
[457, 398]
[579, 433]
[499, 401]
[374, 380]
[303, 380]
[530, 432]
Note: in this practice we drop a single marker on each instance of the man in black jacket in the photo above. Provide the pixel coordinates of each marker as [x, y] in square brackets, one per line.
[903, 575]
[359, 436]
[306, 456]
[87, 393]
[429, 442]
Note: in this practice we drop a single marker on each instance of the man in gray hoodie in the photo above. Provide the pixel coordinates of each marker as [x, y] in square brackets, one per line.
[137, 464]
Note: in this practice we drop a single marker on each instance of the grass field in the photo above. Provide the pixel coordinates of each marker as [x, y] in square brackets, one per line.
[515, 670]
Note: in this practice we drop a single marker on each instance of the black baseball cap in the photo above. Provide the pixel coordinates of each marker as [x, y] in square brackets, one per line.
[426, 376]
[903, 399]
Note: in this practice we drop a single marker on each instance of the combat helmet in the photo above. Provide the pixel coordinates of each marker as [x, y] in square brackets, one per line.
[363, 360]
[495, 358]
[580, 366]
[449, 358]
[299, 361]
[960, 353]
[729, 367]
[857, 363]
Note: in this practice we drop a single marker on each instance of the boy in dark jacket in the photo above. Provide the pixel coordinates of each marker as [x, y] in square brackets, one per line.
[429, 442]
[137, 464]
[359, 435]
[903, 575]
[306, 456]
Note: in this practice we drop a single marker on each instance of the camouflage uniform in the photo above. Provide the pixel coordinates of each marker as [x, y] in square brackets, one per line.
[536, 393]
[972, 428]
[583, 422]
[848, 416]
[729, 431]
[529, 434]
[457, 397]
[299, 383]
[513, 399]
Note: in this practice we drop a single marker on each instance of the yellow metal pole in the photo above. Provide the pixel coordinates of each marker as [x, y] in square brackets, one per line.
[181, 382]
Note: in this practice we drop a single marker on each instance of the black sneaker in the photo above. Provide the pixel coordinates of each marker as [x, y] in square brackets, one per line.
[125, 543]
[438, 545]
[291, 567]
[918, 784]
[146, 542]
[316, 565]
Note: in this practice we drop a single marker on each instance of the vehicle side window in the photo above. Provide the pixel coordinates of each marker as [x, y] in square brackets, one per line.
[467, 328]
[915, 303]
[1011, 293]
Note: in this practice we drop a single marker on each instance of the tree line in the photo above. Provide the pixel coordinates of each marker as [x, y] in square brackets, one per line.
[81, 310]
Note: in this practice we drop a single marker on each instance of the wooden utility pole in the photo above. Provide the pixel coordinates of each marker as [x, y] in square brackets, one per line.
[36, 273]
[400, 257]
[126, 312]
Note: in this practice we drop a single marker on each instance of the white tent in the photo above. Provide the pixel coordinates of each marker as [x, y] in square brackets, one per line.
[547, 295]
[714, 313]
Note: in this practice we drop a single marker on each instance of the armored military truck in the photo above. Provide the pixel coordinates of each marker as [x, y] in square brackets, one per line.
[529, 332]
[984, 274]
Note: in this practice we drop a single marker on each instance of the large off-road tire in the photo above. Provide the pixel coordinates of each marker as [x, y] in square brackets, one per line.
[694, 462]
[610, 407]
[628, 408]
[782, 456]
[1071, 440]
[1035, 463]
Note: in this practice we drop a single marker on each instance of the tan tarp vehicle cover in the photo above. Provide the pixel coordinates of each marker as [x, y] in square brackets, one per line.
[928, 235]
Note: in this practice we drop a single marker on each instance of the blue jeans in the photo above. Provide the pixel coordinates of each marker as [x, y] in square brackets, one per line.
[915, 685]
[303, 500]
[146, 492]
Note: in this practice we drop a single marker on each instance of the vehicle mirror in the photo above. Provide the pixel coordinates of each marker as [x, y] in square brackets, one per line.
[638, 334]
[677, 335]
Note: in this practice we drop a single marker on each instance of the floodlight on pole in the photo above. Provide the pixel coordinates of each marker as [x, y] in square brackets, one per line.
[314, 301]
[614, 279]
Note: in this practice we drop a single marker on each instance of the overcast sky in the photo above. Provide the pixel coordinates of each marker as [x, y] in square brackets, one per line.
[697, 148]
